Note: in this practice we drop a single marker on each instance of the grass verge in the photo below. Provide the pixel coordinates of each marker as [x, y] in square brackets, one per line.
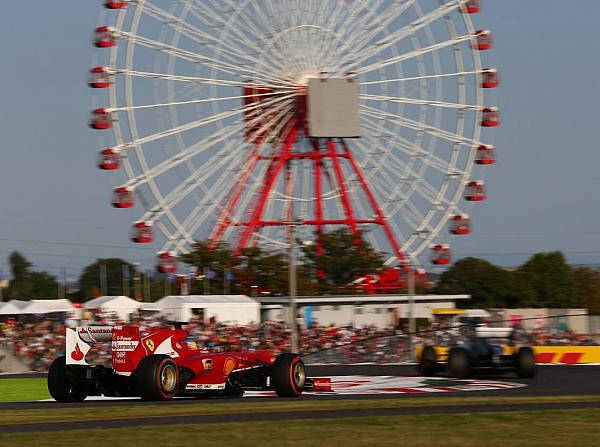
[19, 390]
[544, 428]
[212, 407]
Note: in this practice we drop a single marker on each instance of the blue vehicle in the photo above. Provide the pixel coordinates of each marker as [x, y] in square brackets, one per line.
[475, 348]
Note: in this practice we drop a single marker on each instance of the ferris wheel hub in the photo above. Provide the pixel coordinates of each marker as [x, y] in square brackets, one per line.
[304, 78]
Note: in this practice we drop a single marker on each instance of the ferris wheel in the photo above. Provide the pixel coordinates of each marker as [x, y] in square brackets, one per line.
[233, 119]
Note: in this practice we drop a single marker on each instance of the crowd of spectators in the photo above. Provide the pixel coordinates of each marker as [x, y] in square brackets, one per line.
[37, 343]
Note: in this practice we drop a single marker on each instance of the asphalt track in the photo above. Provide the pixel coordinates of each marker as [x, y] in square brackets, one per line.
[551, 380]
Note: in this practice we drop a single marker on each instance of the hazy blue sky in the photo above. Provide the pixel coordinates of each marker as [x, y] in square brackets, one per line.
[543, 193]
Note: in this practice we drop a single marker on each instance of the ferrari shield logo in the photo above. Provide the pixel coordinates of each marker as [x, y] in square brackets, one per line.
[150, 345]
[228, 366]
[207, 364]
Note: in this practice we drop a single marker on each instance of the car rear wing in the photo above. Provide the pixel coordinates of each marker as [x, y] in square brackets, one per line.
[124, 340]
[493, 332]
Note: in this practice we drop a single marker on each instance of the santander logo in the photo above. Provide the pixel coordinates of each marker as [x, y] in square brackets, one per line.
[77, 355]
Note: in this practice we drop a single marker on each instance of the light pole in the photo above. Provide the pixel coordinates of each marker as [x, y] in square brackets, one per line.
[293, 286]
[411, 309]
[136, 282]
[125, 280]
[103, 279]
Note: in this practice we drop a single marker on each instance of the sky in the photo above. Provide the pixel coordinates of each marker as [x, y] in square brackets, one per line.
[543, 192]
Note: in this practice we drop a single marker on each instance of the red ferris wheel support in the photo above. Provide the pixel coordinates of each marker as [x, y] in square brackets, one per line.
[279, 165]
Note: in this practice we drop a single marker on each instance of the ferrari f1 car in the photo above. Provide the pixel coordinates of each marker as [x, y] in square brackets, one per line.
[471, 347]
[163, 365]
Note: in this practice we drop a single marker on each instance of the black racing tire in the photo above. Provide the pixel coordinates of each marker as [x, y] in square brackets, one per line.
[458, 363]
[525, 363]
[61, 386]
[157, 378]
[428, 362]
[288, 375]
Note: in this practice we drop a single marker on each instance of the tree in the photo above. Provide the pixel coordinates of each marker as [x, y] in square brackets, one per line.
[267, 271]
[550, 279]
[342, 261]
[489, 285]
[253, 269]
[27, 284]
[19, 266]
[90, 280]
[587, 288]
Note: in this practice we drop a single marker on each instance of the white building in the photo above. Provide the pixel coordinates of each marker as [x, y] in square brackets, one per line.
[356, 310]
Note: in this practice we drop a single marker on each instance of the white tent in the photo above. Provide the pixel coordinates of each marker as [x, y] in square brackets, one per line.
[149, 307]
[55, 306]
[122, 306]
[35, 307]
[238, 309]
[9, 309]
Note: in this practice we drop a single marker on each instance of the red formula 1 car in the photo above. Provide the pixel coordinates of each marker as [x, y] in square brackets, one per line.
[163, 365]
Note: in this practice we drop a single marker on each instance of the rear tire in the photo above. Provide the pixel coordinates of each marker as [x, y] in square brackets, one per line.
[288, 375]
[458, 363]
[61, 386]
[428, 362]
[157, 378]
[525, 361]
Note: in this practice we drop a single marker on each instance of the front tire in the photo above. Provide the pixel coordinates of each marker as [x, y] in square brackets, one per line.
[288, 375]
[428, 362]
[458, 363]
[61, 385]
[526, 368]
[157, 378]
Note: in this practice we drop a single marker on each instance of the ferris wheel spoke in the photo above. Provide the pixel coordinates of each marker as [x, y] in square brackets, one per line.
[217, 191]
[359, 39]
[207, 16]
[192, 222]
[220, 190]
[199, 147]
[416, 125]
[424, 188]
[200, 101]
[408, 30]
[393, 191]
[274, 129]
[186, 127]
[423, 102]
[428, 192]
[193, 182]
[420, 78]
[413, 54]
[195, 34]
[276, 59]
[425, 157]
[261, 15]
[412, 150]
[381, 191]
[241, 32]
[331, 18]
[182, 156]
[191, 56]
[191, 79]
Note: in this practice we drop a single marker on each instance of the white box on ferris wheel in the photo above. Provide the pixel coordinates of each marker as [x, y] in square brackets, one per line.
[333, 108]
